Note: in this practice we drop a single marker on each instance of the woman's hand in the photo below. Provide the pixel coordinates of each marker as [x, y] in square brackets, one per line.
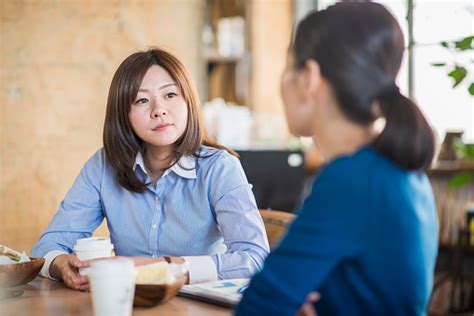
[66, 268]
[307, 309]
[139, 261]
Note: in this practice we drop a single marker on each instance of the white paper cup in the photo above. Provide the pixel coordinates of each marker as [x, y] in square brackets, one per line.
[112, 287]
[93, 248]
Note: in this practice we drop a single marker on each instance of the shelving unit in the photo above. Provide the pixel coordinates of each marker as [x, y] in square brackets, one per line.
[451, 203]
[225, 50]
[243, 69]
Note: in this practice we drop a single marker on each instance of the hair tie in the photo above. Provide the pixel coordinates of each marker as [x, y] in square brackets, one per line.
[389, 91]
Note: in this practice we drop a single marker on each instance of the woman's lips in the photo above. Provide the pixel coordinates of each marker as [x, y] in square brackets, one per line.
[161, 127]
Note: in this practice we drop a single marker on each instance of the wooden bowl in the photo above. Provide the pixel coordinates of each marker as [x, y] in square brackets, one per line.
[16, 274]
[147, 295]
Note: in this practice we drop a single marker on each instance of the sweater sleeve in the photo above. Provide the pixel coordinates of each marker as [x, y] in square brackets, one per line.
[324, 234]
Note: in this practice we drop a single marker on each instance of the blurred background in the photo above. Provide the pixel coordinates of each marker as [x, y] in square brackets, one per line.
[58, 58]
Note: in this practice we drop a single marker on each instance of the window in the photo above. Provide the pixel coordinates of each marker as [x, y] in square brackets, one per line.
[435, 21]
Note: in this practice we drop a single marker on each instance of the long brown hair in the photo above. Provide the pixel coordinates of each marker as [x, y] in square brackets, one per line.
[121, 144]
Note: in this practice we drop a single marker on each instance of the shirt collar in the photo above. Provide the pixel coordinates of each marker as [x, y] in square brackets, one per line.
[185, 167]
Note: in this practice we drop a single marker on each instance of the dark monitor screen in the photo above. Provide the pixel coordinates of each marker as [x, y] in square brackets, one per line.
[278, 177]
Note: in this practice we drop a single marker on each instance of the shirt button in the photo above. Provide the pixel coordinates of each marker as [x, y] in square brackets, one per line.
[153, 226]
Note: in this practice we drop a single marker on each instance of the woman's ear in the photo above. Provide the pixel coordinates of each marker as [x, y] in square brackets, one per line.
[311, 78]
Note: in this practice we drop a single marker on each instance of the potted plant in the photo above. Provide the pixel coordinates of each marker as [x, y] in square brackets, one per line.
[459, 72]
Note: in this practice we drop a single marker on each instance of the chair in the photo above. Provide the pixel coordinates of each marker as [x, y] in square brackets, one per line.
[453, 290]
[276, 224]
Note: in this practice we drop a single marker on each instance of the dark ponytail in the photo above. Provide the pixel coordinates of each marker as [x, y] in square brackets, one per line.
[407, 138]
[359, 48]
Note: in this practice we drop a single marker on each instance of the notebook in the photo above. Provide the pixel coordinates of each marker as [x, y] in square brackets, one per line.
[223, 292]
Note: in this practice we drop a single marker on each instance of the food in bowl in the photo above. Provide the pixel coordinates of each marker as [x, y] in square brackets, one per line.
[158, 282]
[155, 273]
[17, 268]
[9, 256]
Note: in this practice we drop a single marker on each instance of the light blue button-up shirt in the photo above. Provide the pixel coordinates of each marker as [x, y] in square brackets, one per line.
[202, 209]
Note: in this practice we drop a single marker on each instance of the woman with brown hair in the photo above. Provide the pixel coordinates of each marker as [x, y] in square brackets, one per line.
[167, 191]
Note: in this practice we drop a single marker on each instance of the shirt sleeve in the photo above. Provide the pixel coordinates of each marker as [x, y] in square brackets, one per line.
[200, 269]
[78, 215]
[49, 258]
[323, 235]
[239, 221]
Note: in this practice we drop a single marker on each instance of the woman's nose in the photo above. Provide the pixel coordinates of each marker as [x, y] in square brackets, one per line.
[158, 113]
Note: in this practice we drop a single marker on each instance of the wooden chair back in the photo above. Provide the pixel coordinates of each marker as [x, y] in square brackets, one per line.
[276, 224]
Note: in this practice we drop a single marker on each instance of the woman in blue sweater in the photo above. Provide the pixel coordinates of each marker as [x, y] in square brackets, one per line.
[366, 238]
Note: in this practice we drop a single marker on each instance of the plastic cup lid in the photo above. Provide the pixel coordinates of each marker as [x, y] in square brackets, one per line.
[93, 243]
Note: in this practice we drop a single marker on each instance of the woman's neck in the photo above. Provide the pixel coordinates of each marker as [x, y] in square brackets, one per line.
[156, 159]
[342, 137]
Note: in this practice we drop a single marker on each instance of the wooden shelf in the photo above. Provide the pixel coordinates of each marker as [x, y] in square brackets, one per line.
[215, 58]
[451, 167]
[227, 74]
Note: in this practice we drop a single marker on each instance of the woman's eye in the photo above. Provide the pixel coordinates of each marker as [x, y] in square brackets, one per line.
[170, 95]
[141, 101]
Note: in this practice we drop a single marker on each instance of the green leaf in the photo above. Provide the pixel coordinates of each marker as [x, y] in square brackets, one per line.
[438, 64]
[466, 150]
[471, 88]
[465, 43]
[460, 180]
[458, 74]
[444, 44]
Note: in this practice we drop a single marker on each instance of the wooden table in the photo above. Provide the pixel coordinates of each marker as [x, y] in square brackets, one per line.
[46, 297]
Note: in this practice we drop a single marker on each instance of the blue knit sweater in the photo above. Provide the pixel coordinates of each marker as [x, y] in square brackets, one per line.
[366, 239]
